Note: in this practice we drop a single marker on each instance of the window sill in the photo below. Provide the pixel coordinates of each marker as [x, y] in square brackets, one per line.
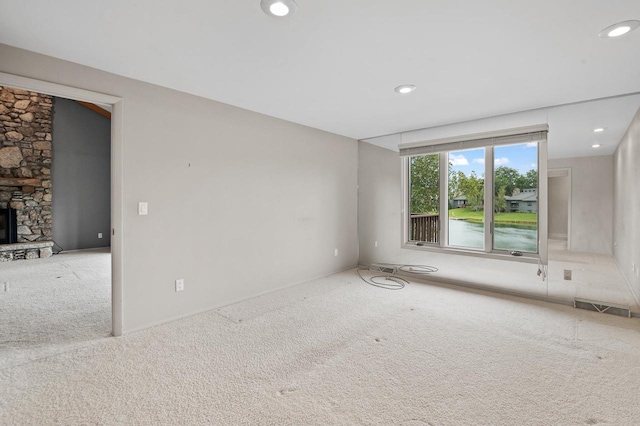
[525, 258]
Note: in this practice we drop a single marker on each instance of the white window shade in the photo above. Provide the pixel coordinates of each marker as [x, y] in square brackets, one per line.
[528, 134]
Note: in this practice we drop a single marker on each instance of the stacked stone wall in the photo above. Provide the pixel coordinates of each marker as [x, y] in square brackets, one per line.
[25, 161]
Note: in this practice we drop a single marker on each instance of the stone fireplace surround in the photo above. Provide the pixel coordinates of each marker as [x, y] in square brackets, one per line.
[25, 170]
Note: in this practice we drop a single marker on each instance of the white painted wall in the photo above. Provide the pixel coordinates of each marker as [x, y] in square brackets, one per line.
[559, 206]
[591, 202]
[379, 203]
[626, 217]
[239, 203]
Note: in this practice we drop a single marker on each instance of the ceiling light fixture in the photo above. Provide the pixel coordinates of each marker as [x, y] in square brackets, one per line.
[619, 29]
[279, 8]
[405, 88]
[595, 145]
[598, 130]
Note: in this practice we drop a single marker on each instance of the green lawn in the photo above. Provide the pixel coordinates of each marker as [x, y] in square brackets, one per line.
[478, 216]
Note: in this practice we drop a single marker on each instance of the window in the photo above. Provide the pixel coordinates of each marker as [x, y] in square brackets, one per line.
[465, 222]
[478, 195]
[424, 181]
[515, 178]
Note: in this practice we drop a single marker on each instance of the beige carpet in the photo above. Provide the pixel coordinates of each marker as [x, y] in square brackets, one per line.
[48, 306]
[337, 351]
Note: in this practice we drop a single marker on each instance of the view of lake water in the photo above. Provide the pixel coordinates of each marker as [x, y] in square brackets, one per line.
[507, 237]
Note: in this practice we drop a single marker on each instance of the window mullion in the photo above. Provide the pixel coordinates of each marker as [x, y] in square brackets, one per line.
[488, 199]
[444, 198]
[543, 182]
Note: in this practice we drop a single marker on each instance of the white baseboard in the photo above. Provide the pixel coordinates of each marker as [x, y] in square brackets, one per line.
[86, 249]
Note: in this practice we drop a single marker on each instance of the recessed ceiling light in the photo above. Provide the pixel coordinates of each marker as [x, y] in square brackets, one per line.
[278, 8]
[598, 129]
[621, 28]
[405, 88]
[595, 145]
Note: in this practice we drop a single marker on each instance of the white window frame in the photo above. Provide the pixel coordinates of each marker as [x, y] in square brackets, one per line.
[488, 251]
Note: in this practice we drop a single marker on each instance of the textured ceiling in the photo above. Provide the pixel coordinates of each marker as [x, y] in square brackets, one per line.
[334, 64]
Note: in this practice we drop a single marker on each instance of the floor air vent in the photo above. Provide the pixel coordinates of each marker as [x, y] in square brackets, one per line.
[382, 267]
[603, 308]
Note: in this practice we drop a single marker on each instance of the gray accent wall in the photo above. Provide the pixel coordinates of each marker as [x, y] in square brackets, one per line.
[591, 202]
[626, 212]
[239, 203]
[80, 170]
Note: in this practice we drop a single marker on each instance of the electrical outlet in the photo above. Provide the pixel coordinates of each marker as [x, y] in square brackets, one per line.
[180, 284]
[567, 274]
[143, 208]
[99, 234]
[375, 244]
[335, 252]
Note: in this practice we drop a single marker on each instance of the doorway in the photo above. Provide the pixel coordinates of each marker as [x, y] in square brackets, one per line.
[116, 105]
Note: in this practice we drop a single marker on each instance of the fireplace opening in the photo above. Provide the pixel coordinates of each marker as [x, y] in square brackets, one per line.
[8, 226]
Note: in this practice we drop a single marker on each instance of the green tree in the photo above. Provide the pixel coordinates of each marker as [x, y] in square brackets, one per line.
[472, 187]
[425, 184]
[455, 179]
[527, 180]
[531, 178]
[500, 204]
[507, 177]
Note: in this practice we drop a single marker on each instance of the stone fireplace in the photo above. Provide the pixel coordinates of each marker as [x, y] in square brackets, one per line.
[25, 171]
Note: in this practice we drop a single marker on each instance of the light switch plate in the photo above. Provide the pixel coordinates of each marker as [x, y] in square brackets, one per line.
[143, 208]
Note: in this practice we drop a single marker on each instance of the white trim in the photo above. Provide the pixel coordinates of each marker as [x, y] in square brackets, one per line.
[55, 89]
[488, 200]
[117, 201]
[75, 93]
[444, 201]
[85, 249]
[404, 200]
[543, 203]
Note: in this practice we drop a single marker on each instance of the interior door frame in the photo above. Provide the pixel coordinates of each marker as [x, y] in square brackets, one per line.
[564, 172]
[117, 105]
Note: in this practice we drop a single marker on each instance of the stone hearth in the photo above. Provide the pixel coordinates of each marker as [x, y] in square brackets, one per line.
[19, 251]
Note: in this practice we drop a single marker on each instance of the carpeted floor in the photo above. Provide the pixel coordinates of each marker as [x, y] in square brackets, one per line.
[48, 306]
[337, 351]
